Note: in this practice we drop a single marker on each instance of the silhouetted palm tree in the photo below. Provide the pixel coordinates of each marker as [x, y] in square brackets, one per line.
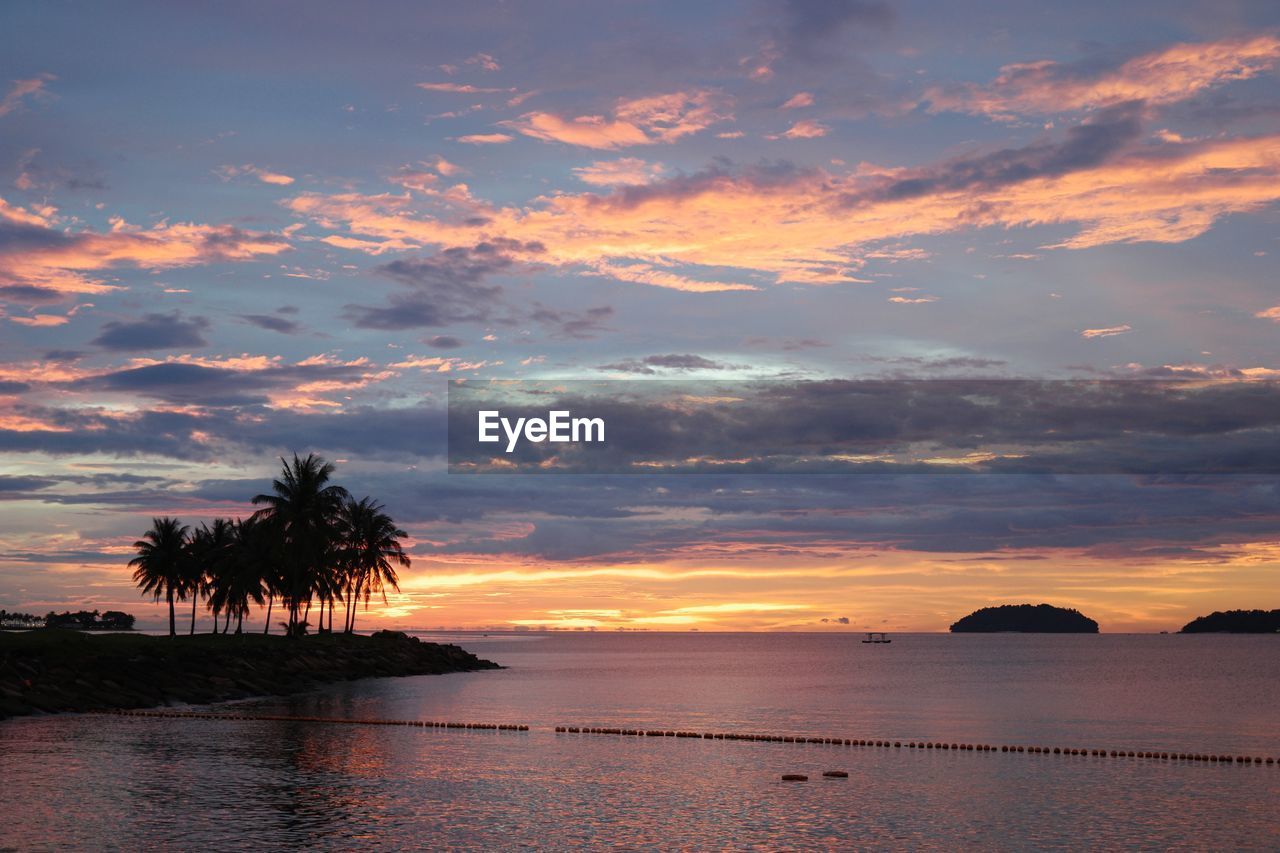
[211, 550]
[302, 509]
[160, 568]
[371, 542]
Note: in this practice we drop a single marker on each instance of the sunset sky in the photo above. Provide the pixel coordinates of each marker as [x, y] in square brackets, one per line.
[229, 231]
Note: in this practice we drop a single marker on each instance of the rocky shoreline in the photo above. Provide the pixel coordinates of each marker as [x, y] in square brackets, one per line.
[50, 670]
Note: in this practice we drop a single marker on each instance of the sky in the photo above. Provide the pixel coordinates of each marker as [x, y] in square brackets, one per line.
[233, 231]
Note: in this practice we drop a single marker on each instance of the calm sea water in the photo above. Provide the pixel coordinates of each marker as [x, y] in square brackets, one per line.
[104, 782]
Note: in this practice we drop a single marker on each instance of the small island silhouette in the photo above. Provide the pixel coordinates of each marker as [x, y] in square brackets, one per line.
[1235, 622]
[1027, 619]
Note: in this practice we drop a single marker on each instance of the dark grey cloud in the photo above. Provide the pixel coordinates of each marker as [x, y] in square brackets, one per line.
[30, 294]
[1086, 145]
[809, 25]
[447, 287]
[272, 323]
[63, 355]
[851, 426]
[202, 385]
[443, 342]
[154, 332]
[652, 364]
[574, 325]
[9, 386]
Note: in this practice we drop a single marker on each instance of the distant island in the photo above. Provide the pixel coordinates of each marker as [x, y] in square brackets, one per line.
[51, 670]
[1027, 619]
[1235, 622]
[82, 620]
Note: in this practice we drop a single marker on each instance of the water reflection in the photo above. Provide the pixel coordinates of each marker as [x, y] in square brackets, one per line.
[93, 782]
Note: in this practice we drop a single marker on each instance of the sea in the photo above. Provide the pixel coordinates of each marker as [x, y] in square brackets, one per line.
[107, 782]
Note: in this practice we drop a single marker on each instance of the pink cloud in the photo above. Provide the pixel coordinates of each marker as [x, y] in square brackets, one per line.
[22, 89]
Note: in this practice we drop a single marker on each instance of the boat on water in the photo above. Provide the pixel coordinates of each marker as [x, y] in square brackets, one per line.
[877, 637]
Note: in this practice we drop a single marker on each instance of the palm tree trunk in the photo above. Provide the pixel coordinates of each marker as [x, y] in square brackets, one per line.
[346, 621]
[173, 626]
[271, 600]
[240, 622]
[217, 612]
[195, 597]
[227, 625]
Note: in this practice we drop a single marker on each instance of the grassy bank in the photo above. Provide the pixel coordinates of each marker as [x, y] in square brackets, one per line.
[50, 670]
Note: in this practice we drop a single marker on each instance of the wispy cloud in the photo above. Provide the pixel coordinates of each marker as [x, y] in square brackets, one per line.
[1171, 74]
[655, 119]
[21, 89]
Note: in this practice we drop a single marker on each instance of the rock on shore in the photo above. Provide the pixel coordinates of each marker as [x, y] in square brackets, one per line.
[50, 670]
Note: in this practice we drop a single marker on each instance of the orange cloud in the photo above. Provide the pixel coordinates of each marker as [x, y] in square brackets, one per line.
[819, 227]
[805, 129]
[640, 121]
[58, 259]
[1270, 314]
[1108, 332]
[40, 320]
[1166, 76]
[798, 100]
[485, 139]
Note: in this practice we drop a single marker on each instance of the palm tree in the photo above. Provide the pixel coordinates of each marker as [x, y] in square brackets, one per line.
[302, 509]
[210, 549]
[244, 581]
[371, 543]
[160, 567]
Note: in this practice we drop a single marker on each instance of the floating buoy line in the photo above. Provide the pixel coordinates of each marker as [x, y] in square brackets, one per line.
[1204, 757]
[1210, 757]
[346, 721]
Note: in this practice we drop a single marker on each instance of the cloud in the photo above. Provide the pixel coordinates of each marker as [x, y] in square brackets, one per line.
[20, 89]
[485, 61]
[152, 332]
[821, 226]
[40, 320]
[485, 139]
[264, 175]
[272, 323]
[805, 129]
[653, 364]
[1108, 332]
[655, 119]
[798, 100]
[447, 287]
[573, 325]
[1270, 314]
[461, 88]
[912, 300]
[627, 171]
[1173, 74]
[444, 342]
[809, 26]
[38, 249]
[235, 382]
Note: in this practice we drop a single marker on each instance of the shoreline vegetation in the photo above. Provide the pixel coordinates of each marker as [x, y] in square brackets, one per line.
[51, 670]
